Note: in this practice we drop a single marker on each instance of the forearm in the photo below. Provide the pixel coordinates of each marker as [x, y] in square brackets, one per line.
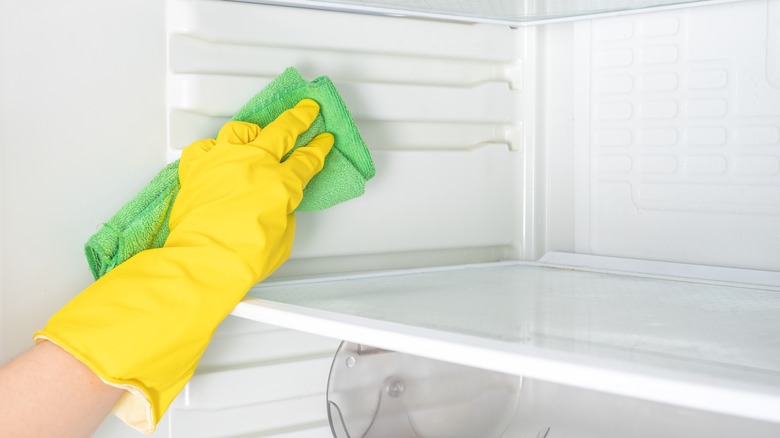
[55, 395]
[143, 326]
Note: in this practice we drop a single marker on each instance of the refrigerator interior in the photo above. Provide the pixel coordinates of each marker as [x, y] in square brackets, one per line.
[653, 135]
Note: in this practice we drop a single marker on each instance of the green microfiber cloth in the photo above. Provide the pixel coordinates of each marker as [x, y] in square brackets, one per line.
[143, 222]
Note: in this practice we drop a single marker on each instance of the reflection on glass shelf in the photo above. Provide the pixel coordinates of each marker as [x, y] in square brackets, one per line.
[628, 318]
[700, 345]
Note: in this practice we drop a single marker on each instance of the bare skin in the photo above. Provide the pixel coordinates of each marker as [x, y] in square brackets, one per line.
[46, 392]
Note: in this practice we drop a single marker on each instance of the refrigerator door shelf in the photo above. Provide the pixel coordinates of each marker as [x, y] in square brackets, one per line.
[703, 345]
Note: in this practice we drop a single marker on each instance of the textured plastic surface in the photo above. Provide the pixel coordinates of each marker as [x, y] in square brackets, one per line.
[677, 135]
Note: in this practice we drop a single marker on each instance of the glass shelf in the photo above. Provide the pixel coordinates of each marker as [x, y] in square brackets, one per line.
[707, 346]
[493, 11]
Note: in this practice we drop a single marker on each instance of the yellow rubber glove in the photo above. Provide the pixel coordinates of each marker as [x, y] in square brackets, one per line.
[144, 326]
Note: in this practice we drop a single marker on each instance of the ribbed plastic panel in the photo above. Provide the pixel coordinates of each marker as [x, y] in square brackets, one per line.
[256, 380]
[439, 105]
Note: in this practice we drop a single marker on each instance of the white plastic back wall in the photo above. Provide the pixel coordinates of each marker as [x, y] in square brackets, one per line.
[677, 135]
[439, 105]
[88, 76]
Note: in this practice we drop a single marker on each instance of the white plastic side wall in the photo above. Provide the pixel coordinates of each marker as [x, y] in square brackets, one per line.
[82, 129]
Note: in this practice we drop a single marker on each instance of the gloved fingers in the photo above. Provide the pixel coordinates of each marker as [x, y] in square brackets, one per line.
[192, 153]
[238, 133]
[306, 161]
[279, 136]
